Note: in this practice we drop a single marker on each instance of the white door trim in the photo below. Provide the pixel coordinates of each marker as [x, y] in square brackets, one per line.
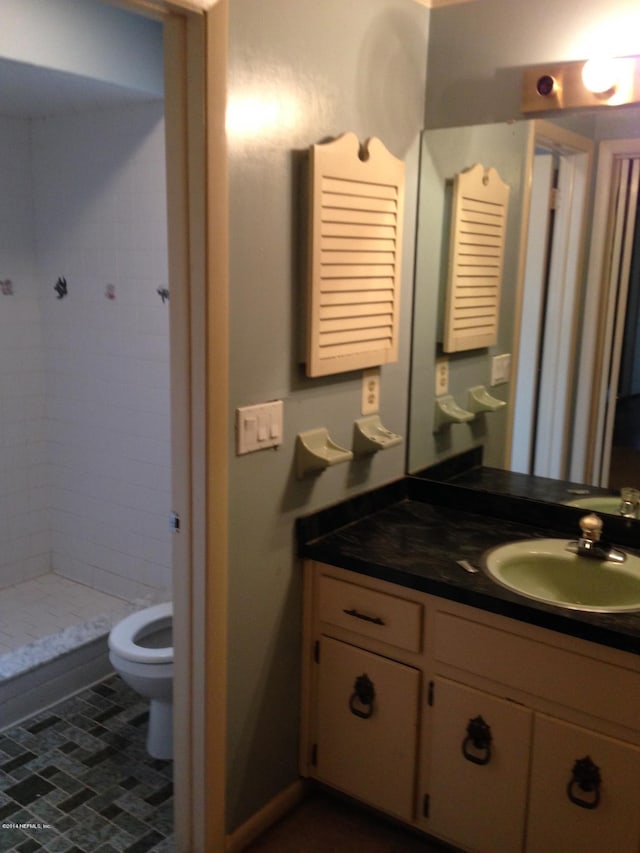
[598, 320]
[563, 304]
[578, 153]
[620, 271]
[195, 106]
[526, 381]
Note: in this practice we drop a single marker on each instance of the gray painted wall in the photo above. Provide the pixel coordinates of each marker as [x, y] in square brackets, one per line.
[446, 152]
[477, 50]
[476, 55]
[321, 69]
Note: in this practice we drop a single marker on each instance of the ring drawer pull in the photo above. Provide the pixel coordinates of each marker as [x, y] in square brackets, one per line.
[375, 619]
[363, 695]
[479, 737]
[585, 777]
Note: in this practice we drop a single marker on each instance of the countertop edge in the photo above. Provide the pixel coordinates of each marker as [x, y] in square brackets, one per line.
[320, 542]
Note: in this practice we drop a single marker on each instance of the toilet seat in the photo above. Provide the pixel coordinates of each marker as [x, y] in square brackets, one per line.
[123, 635]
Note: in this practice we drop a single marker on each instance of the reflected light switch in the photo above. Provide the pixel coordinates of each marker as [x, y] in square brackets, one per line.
[500, 369]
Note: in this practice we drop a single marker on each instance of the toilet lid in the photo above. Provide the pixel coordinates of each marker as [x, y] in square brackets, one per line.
[121, 638]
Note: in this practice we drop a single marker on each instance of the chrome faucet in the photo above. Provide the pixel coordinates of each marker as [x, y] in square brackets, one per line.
[590, 543]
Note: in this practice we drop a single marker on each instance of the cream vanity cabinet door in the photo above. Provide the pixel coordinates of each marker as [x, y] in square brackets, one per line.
[479, 769]
[367, 724]
[585, 791]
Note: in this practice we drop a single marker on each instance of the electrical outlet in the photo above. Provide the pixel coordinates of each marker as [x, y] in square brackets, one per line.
[370, 391]
[442, 376]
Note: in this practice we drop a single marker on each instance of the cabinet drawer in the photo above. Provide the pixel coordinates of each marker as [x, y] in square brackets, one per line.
[377, 615]
[541, 669]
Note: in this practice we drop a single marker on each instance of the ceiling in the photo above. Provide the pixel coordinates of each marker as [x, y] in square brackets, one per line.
[30, 91]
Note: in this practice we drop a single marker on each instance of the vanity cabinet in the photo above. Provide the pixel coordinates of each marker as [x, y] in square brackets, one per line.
[566, 759]
[365, 693]
[488, 733]
[518, 780]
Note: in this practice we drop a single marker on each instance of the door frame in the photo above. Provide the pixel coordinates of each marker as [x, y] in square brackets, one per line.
[527, 381]
[195, 50]
[598, 320]
[625, 224]
[577, 152]
[559, 358]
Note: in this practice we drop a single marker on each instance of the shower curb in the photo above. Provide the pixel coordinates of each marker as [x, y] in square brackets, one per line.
[31, 692]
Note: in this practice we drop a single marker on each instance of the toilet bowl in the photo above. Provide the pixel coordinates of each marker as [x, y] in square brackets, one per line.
[141, 652]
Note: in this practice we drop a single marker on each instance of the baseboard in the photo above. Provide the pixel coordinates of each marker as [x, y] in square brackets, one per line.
[262, 820]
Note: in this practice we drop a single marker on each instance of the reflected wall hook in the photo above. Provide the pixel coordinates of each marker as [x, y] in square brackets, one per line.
[6, 287]
[448, 412]
[481, 401]
[61, 288]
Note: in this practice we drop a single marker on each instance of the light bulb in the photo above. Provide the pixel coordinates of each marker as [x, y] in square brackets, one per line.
[600, 75]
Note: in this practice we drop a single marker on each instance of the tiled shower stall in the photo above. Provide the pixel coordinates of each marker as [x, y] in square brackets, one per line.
[85, 474]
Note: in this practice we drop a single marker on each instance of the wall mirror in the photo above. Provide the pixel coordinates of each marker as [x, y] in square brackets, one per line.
[569, 312]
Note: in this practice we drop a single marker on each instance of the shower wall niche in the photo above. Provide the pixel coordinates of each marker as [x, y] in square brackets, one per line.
[85, 481]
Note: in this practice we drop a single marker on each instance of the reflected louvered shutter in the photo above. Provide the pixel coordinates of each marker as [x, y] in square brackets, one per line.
[356, 242]
[478, 228]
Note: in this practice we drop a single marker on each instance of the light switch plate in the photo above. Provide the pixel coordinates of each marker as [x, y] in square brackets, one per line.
[259, 426]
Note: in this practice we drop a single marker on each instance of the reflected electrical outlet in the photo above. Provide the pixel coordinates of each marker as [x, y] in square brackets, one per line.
[442, 376]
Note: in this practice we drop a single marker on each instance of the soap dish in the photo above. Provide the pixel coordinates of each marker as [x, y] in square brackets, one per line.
[370, 436]
[448, 412]
[316, 450]
[481, 401]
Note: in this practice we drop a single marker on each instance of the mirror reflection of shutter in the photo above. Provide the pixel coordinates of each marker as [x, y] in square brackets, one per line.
[356, 210]
[476, 254]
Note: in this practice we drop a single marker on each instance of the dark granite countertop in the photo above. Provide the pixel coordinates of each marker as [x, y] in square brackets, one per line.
[467, 470]
[413, 534]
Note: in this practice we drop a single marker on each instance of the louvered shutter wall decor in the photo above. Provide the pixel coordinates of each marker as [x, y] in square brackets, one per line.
[478, 229]
[356, 208]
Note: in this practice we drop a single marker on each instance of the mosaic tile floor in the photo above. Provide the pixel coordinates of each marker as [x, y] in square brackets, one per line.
[77, 779]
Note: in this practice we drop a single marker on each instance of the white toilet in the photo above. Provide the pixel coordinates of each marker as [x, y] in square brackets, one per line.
[141, 652]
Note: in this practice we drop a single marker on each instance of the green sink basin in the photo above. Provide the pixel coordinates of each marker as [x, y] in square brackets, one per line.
[542, 569]
[598, 503]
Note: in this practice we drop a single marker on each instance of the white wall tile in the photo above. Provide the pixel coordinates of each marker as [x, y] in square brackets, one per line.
[21, 376]
[84, 393]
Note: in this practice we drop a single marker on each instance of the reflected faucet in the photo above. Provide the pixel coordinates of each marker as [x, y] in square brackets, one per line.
[590, 543]
[629, 502]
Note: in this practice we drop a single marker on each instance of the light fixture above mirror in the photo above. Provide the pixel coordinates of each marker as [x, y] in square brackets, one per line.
[600, 81]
